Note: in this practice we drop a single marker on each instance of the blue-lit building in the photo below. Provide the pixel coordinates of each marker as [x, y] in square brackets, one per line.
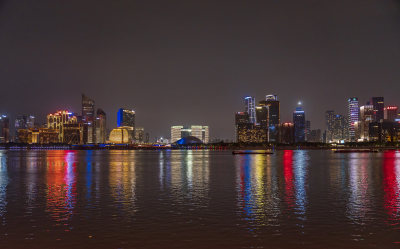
[299, 121]
[250, 108]
[126, 117]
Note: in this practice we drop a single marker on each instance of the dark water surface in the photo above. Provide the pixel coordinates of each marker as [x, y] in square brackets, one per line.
[199, 199]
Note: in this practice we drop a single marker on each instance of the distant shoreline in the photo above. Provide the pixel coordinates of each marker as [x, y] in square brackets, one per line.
[215, 147]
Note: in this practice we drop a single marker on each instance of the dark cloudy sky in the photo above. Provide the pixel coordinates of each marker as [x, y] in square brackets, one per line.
[192, 62]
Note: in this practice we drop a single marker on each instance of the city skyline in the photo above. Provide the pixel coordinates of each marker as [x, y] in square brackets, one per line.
[255, 101]
[152, 61]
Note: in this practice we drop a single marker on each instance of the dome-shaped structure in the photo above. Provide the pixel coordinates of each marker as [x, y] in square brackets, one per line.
[189, 140]
[120, 135]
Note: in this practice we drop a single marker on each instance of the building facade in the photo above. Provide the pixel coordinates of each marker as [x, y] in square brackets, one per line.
[101, 126]
[250, 108]
[4, 129]
[390, 113]
[126, 118]
[378, 105]
[299, 121]
[353, 116]
[88, 120]
[67, 126]
[199, 131]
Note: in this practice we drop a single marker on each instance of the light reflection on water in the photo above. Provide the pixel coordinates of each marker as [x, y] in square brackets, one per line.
[61, 185]
[187, 199]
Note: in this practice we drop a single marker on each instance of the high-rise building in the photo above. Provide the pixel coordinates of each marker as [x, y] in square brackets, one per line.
[101, 126]
[339, 129]
[329, 121]
[88, 119]
[379, 105]
[4, 129]
[354, 116]
[23, 122]
[198, 131]
[250, 108]
[273, 104]
[262, 115]
[241, 121]
[390, 113]
[286, 133]
[308, 130]
[139, 134]
[69, 130]
[315, 136]
[126, 117]
[366, 117]
[299, 121]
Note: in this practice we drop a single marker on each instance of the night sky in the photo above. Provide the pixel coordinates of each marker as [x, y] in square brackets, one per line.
[192, 62]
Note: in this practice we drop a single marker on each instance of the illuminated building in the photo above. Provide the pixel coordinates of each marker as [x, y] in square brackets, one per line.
[242, 118]
[329, 121]
[286, 133]
[375, 131]
[390, 131]
[262, 116]
[4, 129]
[273, 104]
[176, 133]
[88, 119]
[23, 122]
[199, 131]
[366, 117]
[241, 121]
[62, 120]
[390, 113]
[339, 129]
[38, 136]
[101, 126]
[308, 130]
[315, 136]
[354, 113]
[126, 118]
[121, 135]
[378, 104]
[139, 134]
[147, 138]
[250, 108]
[250, 133]
[299, 121]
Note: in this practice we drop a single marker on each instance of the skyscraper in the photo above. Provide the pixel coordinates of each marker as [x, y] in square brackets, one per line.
[299, 121]
[88, 119]
[126, 117]
[329, 121]
[354, 116]
[23, 122]
[271, 101]
[308, 130]
[4, 129]
[101, 126]
[366, 117]
[390, 113]
[262, 115]
[379, 105]
[250, 108]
